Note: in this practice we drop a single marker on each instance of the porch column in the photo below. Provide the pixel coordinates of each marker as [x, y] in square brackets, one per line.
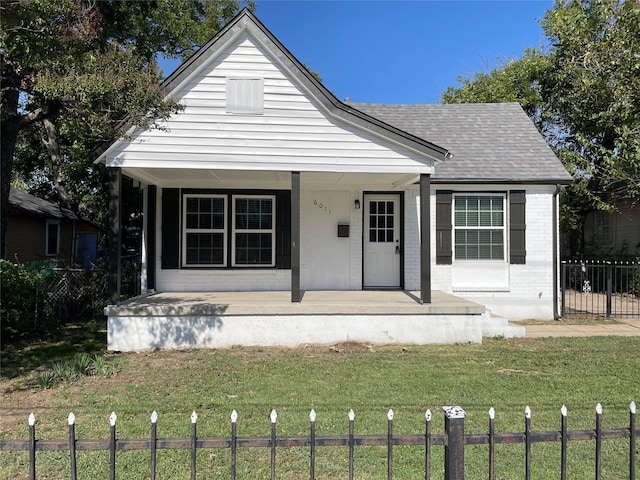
[425, 238]
[296, 296]
[150, 236]
[115, 188]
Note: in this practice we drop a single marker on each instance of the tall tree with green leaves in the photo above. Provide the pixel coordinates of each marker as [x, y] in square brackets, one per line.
[74, 70]
[583, 93]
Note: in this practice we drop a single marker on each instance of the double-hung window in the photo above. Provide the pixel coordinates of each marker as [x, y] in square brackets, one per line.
[213, 222]
[479, 227]
[253, 230]
[205, 238]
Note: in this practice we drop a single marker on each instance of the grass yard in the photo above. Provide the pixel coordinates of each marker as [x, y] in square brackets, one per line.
[505, 374]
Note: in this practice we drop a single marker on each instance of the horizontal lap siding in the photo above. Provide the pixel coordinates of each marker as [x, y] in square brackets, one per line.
[293, 131]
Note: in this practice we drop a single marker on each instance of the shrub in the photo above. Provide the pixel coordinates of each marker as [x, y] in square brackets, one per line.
[17, 298]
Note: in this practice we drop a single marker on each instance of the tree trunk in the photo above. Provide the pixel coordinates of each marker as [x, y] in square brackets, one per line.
[53, 148]
[9, 128]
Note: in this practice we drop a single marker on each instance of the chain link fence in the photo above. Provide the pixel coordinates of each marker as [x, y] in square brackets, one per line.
[68, 295]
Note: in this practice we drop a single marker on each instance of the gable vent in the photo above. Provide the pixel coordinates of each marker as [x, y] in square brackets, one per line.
[245, 96]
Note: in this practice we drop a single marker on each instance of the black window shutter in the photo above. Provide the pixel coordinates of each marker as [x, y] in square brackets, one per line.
[517, 227]
[443, 227]
[283, 230]
[170, 228]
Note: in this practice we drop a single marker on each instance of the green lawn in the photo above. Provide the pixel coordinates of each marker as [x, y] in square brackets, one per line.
[505, 374]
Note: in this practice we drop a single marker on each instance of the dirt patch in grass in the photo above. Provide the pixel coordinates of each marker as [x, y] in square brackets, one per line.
[573, 320]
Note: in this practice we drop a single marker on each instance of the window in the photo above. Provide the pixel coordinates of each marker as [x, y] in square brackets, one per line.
[245, 96]
[52, 245]
[208, 229]
[253, 231]
[479, 227]
[205, 239]
[601, 224]
[381, 221]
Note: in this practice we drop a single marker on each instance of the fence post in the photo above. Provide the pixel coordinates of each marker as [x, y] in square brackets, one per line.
[609, 288]
[454, 444]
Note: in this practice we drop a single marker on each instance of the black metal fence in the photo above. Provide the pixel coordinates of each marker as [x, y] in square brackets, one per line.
[453, 440]
[602, 288]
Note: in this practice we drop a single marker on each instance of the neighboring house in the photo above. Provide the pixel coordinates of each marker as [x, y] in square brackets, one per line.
[40, 230]
[267, 182]
[616, 233]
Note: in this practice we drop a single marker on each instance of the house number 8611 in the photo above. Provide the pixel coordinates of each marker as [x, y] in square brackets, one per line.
[322, 206]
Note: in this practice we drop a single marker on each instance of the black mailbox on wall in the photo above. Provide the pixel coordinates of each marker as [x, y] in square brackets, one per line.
[343, 230]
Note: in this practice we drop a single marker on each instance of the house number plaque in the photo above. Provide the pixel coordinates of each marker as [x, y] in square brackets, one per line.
[322, 206]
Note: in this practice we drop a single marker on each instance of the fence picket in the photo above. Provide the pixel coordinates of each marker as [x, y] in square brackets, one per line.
[352, 418]
[632, 441]
[112, 446]
[492, 444]
[71, 419]
[194, 443]
[234, 443]
[527, 442]
[274, 418]
[32, 446]
[154, 443]
[563, 447]
[312, 459]
[427, 445]
[390, 444]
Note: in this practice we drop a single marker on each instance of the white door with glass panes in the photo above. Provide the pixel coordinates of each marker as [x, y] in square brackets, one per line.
[381, 246]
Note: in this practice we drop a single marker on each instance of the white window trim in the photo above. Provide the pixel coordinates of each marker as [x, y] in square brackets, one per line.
[46, 241]
[272, 230]
[504, 228]
[186, 230]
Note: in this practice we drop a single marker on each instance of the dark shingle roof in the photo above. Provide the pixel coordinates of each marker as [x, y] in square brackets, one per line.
[23, 202]
[491, 142]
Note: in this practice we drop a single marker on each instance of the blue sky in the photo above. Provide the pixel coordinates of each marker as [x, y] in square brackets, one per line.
[402, 51]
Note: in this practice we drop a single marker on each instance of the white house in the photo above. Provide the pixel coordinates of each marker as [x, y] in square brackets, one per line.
[276, 214]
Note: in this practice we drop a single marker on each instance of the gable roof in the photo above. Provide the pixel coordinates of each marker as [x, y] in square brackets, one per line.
[246, 21]
[25, 203]
[490, 142]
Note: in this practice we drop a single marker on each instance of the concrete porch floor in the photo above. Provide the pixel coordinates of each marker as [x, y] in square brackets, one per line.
[325, 302]
[172, 320]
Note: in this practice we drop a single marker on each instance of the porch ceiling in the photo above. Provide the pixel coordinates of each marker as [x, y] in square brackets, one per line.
[208, 178]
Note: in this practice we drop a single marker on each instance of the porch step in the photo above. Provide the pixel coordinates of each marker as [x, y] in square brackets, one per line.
[496, 326]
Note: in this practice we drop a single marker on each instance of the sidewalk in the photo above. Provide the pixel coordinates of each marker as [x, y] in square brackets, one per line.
[628, 327]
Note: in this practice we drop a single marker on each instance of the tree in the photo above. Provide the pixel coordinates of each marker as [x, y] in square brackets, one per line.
[583, 94]
[74, 70]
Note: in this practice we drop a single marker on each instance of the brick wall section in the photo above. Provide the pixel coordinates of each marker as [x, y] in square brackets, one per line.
[530, 289]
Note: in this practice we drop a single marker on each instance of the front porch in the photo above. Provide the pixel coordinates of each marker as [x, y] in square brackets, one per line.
[222, 319]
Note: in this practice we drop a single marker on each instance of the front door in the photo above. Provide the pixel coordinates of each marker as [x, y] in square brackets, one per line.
[381, 247]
